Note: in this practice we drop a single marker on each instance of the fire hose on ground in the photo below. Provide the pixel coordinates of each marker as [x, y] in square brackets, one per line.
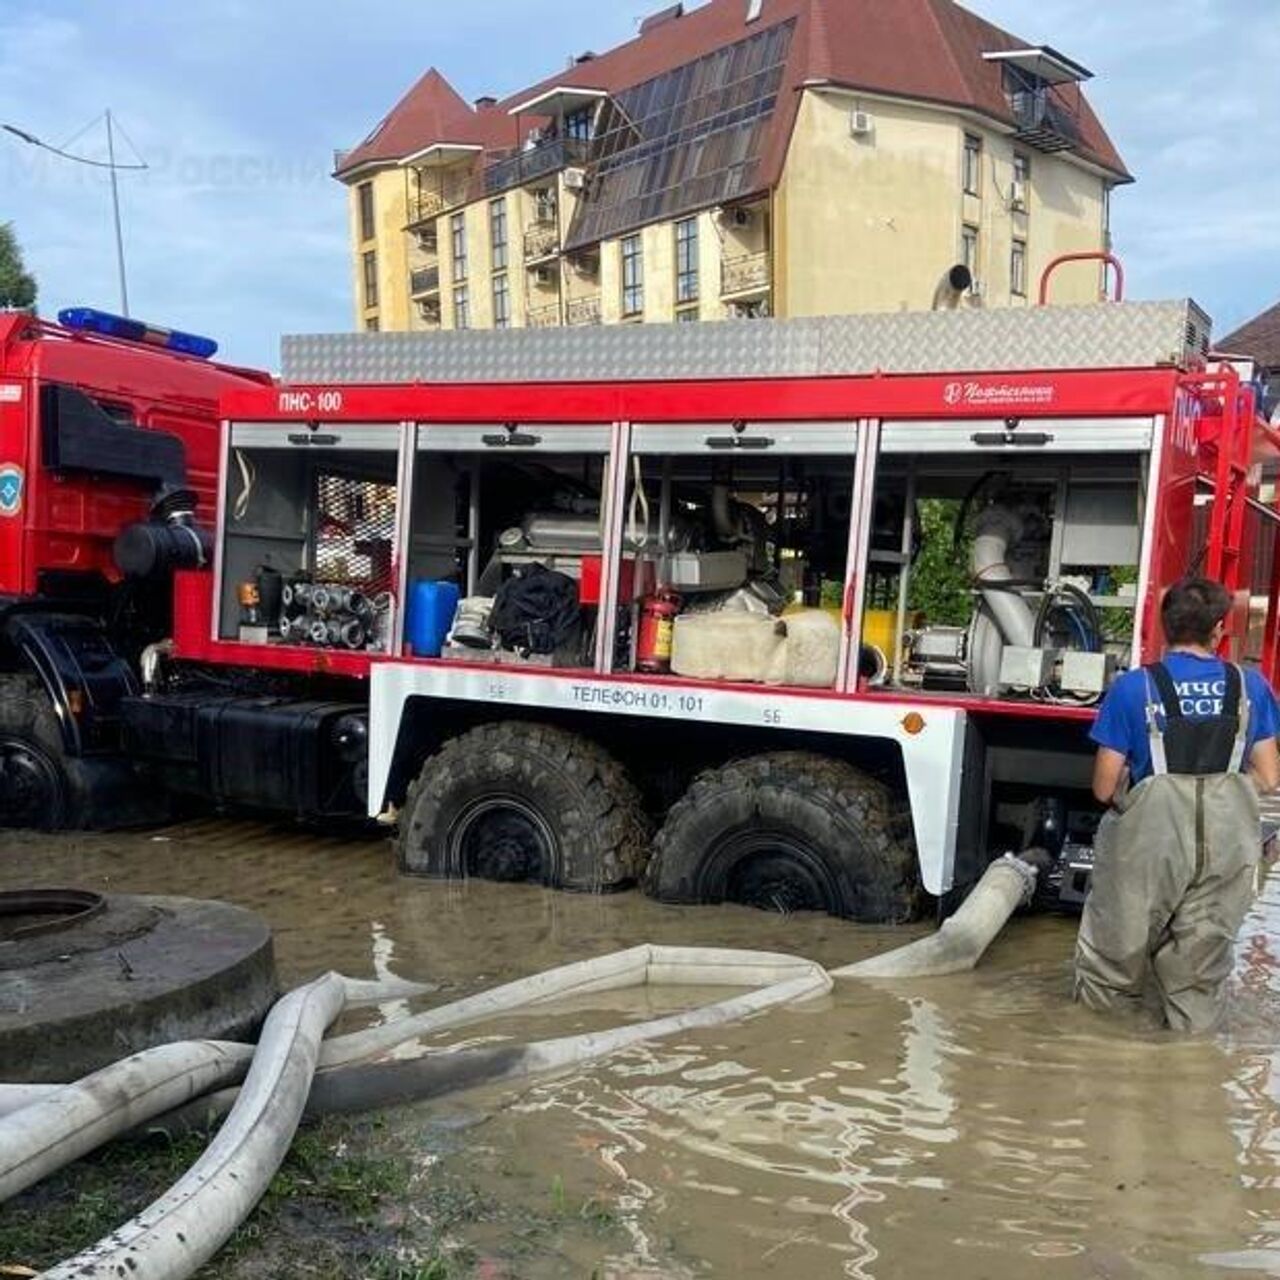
[294, 1070]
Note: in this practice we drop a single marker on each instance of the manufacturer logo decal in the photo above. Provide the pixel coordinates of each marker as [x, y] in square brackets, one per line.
[10, 489]
[998, 395]
[10, 392]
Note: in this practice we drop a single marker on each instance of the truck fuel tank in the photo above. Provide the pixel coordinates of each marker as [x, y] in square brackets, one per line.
[305, 757]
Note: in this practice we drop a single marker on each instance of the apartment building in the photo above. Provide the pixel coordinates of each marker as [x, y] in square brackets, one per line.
[743, 158]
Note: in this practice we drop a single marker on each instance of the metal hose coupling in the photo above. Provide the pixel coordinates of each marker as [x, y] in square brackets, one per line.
[1025, 865]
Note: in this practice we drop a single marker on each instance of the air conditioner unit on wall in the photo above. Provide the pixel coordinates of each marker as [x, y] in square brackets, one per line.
[574, 179]
[861, 123]
[1018, 197]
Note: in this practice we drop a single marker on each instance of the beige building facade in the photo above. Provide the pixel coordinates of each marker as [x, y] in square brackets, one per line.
[559, 206]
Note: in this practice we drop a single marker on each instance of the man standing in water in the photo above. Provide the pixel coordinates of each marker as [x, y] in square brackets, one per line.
[1185, 746]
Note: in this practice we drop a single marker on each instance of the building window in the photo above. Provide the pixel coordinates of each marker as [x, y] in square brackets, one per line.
[461, 308]
[498, 232]
[577, 124]
[687, 316]
[458, 235]
[1021, 168]
[632, 276]
[1106, 216]
[1018, 269]
[972, 164]
[365, 194]
[371, 325]
[369, 262]
[501, 302]
[969, 249]
[686, 260]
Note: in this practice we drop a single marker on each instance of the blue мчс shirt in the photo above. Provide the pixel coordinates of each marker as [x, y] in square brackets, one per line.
[1201, 684]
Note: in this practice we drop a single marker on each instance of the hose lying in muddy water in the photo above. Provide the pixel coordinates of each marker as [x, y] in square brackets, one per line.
[71, 1121]
[960, 941]
[174, 1236]
[178, 1233]
[777, 979]
[367, 1086]
[44, 1127]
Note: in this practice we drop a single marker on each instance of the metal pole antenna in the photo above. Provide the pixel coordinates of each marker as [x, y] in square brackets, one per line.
[115, 209]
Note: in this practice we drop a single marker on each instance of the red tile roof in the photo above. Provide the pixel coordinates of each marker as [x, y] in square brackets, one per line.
[1258, 338]
[925, 49]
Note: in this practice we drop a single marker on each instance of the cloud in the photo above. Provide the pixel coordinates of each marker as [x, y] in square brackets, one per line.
[237, 229]
[1186, 90]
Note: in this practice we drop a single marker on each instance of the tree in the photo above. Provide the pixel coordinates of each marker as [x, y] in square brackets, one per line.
[17, 284]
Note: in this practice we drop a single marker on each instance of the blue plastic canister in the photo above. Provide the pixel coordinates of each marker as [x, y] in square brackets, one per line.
[431, 609]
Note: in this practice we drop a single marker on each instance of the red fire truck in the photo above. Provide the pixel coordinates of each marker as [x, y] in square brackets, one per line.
[108, 431]
[804, 614]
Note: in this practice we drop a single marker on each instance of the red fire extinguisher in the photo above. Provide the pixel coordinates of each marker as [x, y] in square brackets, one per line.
[653, 639]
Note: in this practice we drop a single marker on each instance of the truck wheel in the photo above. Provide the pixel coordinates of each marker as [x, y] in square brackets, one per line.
[37, 789]
[517, 801]
[789, 831]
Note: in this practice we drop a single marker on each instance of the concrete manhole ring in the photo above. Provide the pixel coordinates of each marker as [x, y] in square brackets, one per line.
[86, 979]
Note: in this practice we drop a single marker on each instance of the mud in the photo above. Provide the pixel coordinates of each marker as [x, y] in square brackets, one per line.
[977, 1125]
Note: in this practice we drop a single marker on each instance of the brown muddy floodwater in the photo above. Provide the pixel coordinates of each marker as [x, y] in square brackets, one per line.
[974, 1126]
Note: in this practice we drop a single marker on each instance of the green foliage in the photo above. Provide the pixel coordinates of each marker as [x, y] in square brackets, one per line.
[17, 284]
[940, 577]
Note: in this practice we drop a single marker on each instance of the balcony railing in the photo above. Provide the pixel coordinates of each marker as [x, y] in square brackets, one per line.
[425, 280]
[1043, 121]
[543, 317]
[426, 206]
[541, 240]
[746, 273]
[583, 311]
[527, 165]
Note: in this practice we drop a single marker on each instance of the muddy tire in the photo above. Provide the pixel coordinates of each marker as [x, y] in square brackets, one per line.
[524, 802]
[789, 831]
[39, 788]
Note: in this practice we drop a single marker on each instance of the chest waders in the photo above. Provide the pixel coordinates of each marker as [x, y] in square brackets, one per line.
[1174, 862]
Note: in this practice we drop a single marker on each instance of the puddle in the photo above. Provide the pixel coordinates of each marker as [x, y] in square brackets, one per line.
[971, 1126]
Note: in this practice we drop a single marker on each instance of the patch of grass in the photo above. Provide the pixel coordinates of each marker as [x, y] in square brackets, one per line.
[347, 1202]
[333, 1208]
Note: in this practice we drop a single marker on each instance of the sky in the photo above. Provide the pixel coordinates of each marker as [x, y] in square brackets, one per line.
[236, 229]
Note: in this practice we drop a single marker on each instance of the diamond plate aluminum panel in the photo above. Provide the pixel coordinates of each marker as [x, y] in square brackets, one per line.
[1101, 336]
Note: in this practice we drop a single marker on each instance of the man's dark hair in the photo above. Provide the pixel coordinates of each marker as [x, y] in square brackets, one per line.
[1192, 608]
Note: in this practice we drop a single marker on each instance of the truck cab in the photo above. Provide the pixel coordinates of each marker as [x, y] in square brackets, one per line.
[107, 425]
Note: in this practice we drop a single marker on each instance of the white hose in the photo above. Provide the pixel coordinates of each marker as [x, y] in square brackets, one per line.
[637, 966]
[177, 1234]
[996, 529]
[74, 1119]
[961, 939]
[360, 1086]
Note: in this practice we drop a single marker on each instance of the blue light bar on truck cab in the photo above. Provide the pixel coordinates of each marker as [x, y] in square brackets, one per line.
[90, 320]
